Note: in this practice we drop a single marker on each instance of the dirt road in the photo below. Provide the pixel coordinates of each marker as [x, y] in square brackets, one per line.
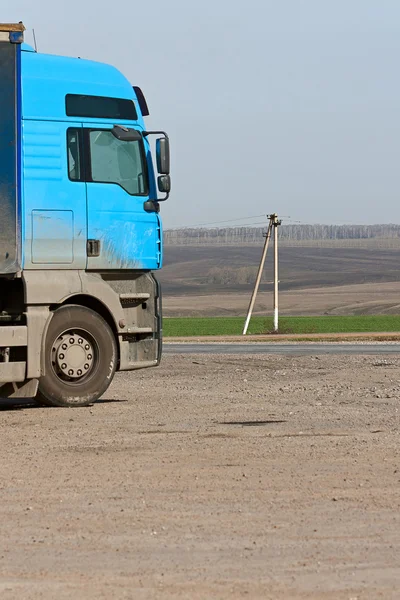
[228, 477]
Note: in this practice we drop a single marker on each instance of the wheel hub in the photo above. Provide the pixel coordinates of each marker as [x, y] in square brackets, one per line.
[73, 355]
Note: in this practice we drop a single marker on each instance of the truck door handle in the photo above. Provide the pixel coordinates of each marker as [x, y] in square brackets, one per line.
[93, 247]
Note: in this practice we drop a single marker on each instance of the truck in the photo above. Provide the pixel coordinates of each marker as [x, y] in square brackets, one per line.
[80, 227]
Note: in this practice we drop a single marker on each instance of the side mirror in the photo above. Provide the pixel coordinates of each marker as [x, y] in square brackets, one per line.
[124, 134]
[162, 155]
[162, 159]
[164, 184]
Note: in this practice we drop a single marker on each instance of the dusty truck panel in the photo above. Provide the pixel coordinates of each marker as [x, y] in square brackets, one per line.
[80, 230]
[9, 155]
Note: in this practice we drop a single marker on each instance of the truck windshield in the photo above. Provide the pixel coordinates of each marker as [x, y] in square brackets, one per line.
[119, 162]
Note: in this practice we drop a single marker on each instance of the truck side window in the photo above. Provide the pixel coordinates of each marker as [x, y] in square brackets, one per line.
[119, 162]
[74, 154]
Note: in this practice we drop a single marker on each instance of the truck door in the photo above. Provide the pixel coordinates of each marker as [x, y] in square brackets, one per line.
[121, 234]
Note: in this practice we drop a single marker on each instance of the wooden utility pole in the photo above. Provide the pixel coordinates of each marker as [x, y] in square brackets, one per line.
[259, 274]
[274, 222]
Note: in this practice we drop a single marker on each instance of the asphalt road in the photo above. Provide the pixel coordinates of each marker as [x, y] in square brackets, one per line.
[276, 348]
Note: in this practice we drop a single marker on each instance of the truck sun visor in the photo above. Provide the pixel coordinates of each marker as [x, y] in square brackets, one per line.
[100, 107]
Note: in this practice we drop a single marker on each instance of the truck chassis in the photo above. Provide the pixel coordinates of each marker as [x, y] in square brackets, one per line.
[64, 334]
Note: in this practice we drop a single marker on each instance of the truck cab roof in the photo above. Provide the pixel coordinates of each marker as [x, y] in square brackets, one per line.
[47, 80]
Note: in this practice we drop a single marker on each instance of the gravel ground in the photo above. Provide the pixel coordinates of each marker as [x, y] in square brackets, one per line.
[273, 477]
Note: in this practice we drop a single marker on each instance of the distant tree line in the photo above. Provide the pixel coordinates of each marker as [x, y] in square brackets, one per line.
[287, 233]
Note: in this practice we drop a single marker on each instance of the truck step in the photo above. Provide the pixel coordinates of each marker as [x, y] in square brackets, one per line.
[13, 335]
[12, 371]
[142, 364]
[134, 329]
[137, 298]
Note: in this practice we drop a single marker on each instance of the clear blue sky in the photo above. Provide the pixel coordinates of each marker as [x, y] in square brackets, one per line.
[272, 105]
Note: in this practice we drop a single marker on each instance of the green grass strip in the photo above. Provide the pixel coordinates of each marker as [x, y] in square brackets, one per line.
[198, 326]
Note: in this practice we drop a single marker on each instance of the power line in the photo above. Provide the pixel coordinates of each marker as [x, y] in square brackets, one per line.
[288, 221]
[245, 225]
[219, 222]
[287, 218]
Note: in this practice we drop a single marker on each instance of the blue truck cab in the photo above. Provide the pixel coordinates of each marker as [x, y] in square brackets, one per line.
[80, 228]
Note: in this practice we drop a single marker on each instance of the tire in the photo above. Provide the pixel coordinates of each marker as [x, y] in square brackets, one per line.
[80, 358]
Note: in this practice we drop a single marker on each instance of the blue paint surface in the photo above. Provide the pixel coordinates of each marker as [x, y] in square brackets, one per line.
[46, 187]
[60, 215]
[59, 249]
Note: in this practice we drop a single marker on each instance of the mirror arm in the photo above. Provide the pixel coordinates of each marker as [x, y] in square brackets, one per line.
[163, 199]
[146, 133]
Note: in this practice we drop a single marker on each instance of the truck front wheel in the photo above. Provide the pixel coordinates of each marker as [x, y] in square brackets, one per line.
[80, 358]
